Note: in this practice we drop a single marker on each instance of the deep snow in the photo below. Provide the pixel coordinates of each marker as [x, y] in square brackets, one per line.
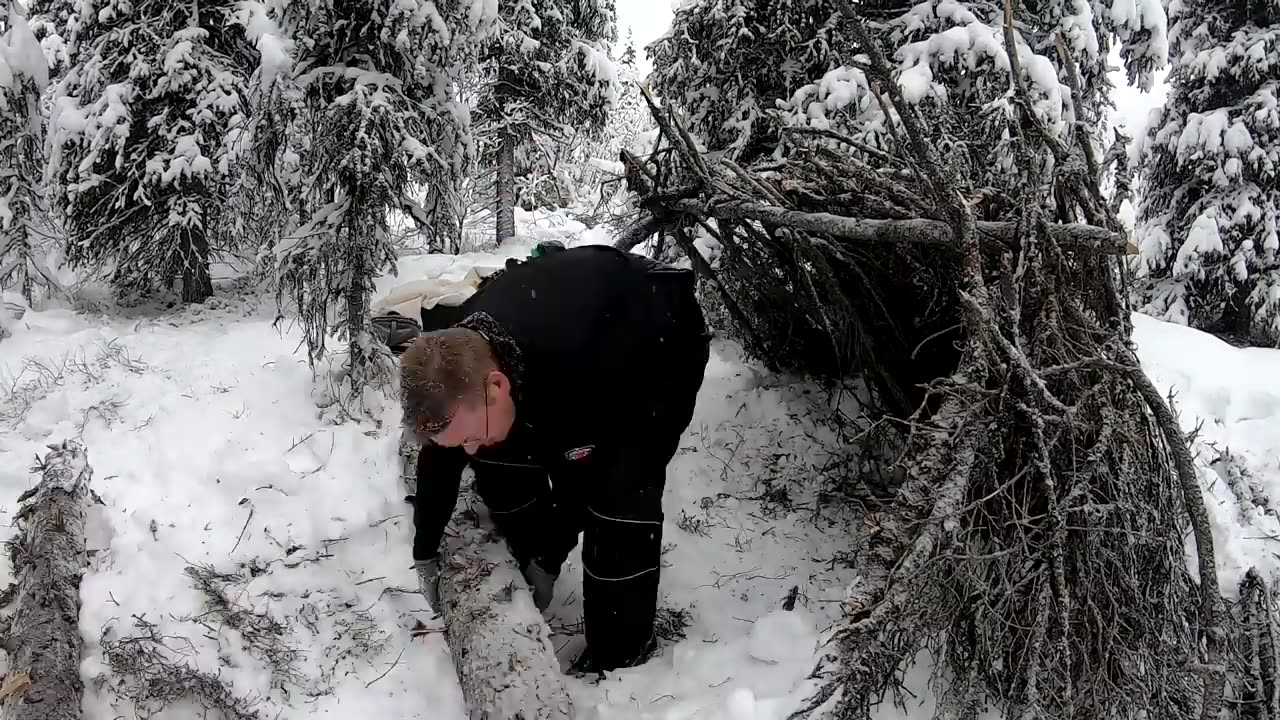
[208, 448]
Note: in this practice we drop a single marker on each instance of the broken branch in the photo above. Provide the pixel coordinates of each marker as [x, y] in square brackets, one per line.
[1083, 238]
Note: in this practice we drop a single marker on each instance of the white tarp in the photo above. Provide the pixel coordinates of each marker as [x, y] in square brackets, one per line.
[411, 298]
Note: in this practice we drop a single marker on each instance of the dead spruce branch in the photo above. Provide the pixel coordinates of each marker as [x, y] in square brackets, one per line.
[1256, 639]
[48, 557]
[920, 231]
[501, 644]
[155, 671]
[1034, 541]
[265, 637]
[36, 378]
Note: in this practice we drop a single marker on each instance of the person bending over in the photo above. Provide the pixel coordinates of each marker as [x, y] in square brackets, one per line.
[566, 388]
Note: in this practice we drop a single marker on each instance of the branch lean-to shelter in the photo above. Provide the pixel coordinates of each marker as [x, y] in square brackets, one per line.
[1033, 536]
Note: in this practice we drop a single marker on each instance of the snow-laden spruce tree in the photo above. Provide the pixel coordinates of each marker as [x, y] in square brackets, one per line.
[144, 138]
[1209, 173]
[360, 106]
[582, 167]
[728, 63]
[594, 157]
[51, 22]
[550, 74]
[24, 74]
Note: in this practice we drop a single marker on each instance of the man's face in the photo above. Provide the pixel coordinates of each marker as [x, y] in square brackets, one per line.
[485, 420]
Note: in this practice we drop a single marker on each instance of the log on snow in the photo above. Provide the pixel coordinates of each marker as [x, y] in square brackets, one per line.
[501, 644]
[43, 638]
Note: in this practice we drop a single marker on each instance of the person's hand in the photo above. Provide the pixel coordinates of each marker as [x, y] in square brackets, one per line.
[542, 582]
[429, 581]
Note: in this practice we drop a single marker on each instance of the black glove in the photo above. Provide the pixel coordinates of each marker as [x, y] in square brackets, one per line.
[428, 581]
[542, 582]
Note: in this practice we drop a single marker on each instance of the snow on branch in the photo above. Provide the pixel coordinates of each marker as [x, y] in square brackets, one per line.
[261, 29]
[961, 41]
[370, 119]
[1209, 176]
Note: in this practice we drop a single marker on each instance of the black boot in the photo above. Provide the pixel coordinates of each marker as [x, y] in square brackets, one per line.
[586, 665]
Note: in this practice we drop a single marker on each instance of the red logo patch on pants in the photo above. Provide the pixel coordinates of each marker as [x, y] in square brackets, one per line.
[580, 453]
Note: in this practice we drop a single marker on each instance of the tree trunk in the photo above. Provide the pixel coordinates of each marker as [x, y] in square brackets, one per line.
[197, 286]
[506, 208]
[506, 180]
[500, 643]
[361, 364]
[28, 288]
[998, 235]
[43, 641]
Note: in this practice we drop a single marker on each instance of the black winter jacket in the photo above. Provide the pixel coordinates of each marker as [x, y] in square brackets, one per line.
[587, 337]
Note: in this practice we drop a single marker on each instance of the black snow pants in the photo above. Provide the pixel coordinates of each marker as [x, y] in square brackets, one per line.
[614, 498]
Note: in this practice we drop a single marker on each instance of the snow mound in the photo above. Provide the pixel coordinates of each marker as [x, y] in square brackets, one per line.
[1230, 394]
[782, 637]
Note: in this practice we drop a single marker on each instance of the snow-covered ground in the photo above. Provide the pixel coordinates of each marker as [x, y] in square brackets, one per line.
[269, 546]
[1229, 397]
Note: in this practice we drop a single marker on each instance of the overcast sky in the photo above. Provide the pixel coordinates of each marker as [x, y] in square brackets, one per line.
[648, 20]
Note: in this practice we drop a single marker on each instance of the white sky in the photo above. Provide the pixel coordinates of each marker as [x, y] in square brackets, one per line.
[648, 20]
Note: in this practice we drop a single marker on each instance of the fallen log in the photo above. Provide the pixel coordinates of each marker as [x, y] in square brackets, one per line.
[500, 643]
[638, 232]
[48, 557]
[1073, 236]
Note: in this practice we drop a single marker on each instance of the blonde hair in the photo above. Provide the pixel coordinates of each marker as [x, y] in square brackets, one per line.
[439, 371]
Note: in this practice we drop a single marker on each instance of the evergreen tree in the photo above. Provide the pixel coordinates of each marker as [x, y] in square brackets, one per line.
[730, 64]
[594, 159]
[372, 112]
[629, 53]
[24, 74]
[725, 63]
[144, 139]
[1209, 173]
[551, 74]
[51, 22]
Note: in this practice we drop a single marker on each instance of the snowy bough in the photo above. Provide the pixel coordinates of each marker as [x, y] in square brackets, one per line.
[370, 105]
[940, 229]
[547, 72]
[1210, 174]
[24, 75]
[143, 139]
